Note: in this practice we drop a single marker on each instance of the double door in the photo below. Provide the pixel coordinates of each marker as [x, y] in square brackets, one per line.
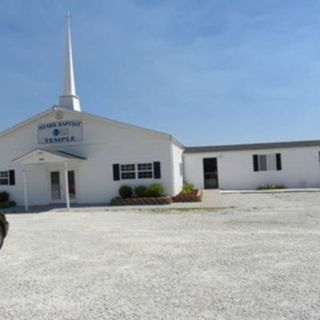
[57, 185]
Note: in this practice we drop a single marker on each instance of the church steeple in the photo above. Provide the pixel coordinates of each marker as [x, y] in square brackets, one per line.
[69, 99]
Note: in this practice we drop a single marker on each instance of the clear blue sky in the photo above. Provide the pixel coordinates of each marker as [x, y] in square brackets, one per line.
[208, 72]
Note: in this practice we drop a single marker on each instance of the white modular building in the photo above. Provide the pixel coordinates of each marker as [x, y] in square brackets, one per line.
[249, 166]
[64, 155]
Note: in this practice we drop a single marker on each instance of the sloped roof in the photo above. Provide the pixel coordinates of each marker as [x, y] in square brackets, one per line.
[63, 154]
[253, 146]
[90, 116]
[59, 155]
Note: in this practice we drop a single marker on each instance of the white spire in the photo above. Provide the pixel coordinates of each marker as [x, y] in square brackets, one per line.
[69, 98]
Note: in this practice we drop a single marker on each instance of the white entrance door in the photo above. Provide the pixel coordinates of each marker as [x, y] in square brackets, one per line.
[57, 186]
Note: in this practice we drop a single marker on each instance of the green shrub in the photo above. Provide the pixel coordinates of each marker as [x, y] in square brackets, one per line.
[125, 191]
[271, 187]
[4, 197]
[11, 204]
[155, 190]
[140, 191]
[187, 188]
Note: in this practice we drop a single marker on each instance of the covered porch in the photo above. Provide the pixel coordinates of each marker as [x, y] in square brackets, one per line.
[62, 178]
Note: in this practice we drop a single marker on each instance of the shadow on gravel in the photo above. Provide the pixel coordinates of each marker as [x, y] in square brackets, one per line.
[32, 209]
[47, 208]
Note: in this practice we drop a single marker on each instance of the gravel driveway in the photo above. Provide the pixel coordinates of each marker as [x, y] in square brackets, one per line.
[257, 260]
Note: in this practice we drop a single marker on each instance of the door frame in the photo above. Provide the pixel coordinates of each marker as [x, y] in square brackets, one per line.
[60, 169]
[60, 186]
[216, 172]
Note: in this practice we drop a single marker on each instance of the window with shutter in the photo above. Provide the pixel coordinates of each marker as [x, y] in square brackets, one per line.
[116, 172]
[267, 162]
[157, 170]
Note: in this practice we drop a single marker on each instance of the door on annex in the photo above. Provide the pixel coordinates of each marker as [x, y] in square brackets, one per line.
[210, 173]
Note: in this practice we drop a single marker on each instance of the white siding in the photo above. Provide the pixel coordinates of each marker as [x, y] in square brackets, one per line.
[105, 143]
[300, 168]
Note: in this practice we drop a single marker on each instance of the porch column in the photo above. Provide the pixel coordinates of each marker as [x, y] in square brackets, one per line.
[66, 183]
[25, 190]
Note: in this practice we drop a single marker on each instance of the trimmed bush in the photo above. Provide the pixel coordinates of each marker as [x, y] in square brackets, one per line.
[4, 197]
[125, 191]
[187, 188]
[12, 203]
[271, 187]
[140, 191]
[155, 190]
[9, 204]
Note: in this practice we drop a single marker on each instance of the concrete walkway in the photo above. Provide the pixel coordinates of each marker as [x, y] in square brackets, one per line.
[292, 190]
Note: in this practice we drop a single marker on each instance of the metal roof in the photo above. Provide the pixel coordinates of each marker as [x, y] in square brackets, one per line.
[59, 153]
[64, 154]
[253, 146]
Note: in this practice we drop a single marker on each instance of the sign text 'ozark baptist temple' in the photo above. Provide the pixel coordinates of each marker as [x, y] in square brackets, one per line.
[60, 132]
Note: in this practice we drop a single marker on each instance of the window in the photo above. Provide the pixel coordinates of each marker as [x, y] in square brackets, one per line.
[267, 162]
[145, 170]
[4, 178]
[128, 171]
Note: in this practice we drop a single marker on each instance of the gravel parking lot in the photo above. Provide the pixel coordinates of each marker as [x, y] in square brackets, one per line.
[257, 259]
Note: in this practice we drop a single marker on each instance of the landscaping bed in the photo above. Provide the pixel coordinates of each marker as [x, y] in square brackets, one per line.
[9, 204]
[141, 201]
[154, 195]
[192, 196]
[5, 201]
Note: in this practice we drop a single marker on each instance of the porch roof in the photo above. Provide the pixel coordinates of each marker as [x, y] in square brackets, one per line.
[38, 155]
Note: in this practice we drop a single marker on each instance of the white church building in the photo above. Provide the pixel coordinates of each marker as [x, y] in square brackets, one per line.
[64, 155]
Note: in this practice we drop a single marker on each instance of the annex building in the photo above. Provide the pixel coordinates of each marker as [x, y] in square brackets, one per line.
[64, 155]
